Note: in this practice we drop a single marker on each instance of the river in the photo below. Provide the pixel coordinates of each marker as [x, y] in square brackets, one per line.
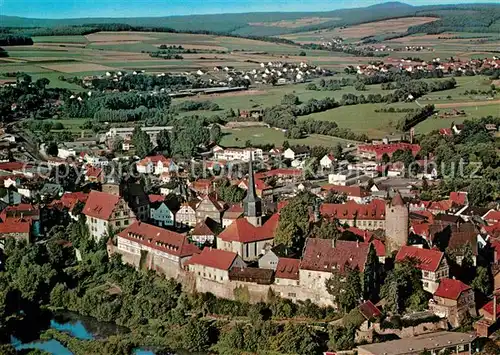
[80, 327]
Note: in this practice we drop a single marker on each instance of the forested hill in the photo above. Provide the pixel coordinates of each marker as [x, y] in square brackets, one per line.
[472, 17]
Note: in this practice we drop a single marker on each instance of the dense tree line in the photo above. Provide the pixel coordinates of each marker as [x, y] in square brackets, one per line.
[128, 105]
[186, 106]
[15, 40]
[331, 84]
[412, 119]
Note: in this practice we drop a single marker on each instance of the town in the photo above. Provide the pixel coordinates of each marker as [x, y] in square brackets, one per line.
[220, 209]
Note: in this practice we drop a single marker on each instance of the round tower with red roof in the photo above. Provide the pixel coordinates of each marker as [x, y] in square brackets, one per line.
[396, 223]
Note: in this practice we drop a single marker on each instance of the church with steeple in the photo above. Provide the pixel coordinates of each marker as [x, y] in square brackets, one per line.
[252, 204]
[248, 236]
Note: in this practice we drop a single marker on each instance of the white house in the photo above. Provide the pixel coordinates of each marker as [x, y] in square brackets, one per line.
[243, 154]
[296, 153]
[327, 161]
[156, 164]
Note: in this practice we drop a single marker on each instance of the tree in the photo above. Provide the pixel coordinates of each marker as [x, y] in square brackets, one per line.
[403, 289]
[297, 339]
[345, 287]
[326, 229]
[337, 151]
[479, 192]
[141, 142]
[482, 281]
[385, 158]
[198, 335]
[293, 225]
[371, 276]
[215, 134]
[52, 149]
[290, 100]
[163, 142]
[334, 197]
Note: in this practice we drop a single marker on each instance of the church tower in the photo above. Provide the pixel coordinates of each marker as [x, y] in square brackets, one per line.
[252, 204]
[396, 223]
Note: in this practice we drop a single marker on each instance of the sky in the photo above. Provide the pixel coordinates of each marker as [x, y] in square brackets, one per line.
[148, 8]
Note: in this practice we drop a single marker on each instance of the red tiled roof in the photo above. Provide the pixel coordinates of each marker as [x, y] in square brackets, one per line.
[159, 238]
[93, 172]
[379, 247]
[355, 191]
[215, 258]
[287, 268]
[366, 235]
[445, 132]
[69, 200]
[369, 310]
[421, 229]
[440, 206]
[397, 200]
[451, 289]
[459, 198]
[100, 205]
[15, 225]
[15, 165]
[492, 216]
[389, 149]
[156, 198]
[375, 210]
[259, 184]
[321, 255]
[244, 232]
[24, 210]
[428, 260]
[488, 307]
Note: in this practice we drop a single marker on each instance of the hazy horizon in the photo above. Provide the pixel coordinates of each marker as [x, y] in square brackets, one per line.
[61, 9]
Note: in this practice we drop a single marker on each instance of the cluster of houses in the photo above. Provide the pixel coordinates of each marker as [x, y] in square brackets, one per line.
[391, 64]
[279, 73]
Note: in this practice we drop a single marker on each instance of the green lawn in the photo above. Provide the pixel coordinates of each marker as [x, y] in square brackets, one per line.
[264, 135]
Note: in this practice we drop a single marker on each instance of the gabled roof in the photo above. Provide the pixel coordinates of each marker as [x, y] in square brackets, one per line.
[159, 238]
[369, 310]
[427, 260]
[259, 184]
[492, 215]
[201, 228]
[327, 255]
[287, 268]
[93, 172]
[451, 288]
[244, 232]
[24, 210]
[100, 205]
[156, 198]
[15, 225]
[459, 198]
[215, 258]
[155, 159]
[488, 307]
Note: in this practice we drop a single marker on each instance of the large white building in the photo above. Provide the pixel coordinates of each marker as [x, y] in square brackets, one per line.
[126, 132]
[242, 154]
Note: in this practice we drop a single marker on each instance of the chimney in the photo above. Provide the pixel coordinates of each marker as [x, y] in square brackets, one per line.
[333, 243]
[357, 243]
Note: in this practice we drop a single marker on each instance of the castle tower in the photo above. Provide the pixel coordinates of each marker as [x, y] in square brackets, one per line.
[252, 204]
[396, 223]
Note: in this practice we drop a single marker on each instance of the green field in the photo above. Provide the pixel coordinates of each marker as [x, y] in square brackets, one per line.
[263, 135]
[60, 39]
